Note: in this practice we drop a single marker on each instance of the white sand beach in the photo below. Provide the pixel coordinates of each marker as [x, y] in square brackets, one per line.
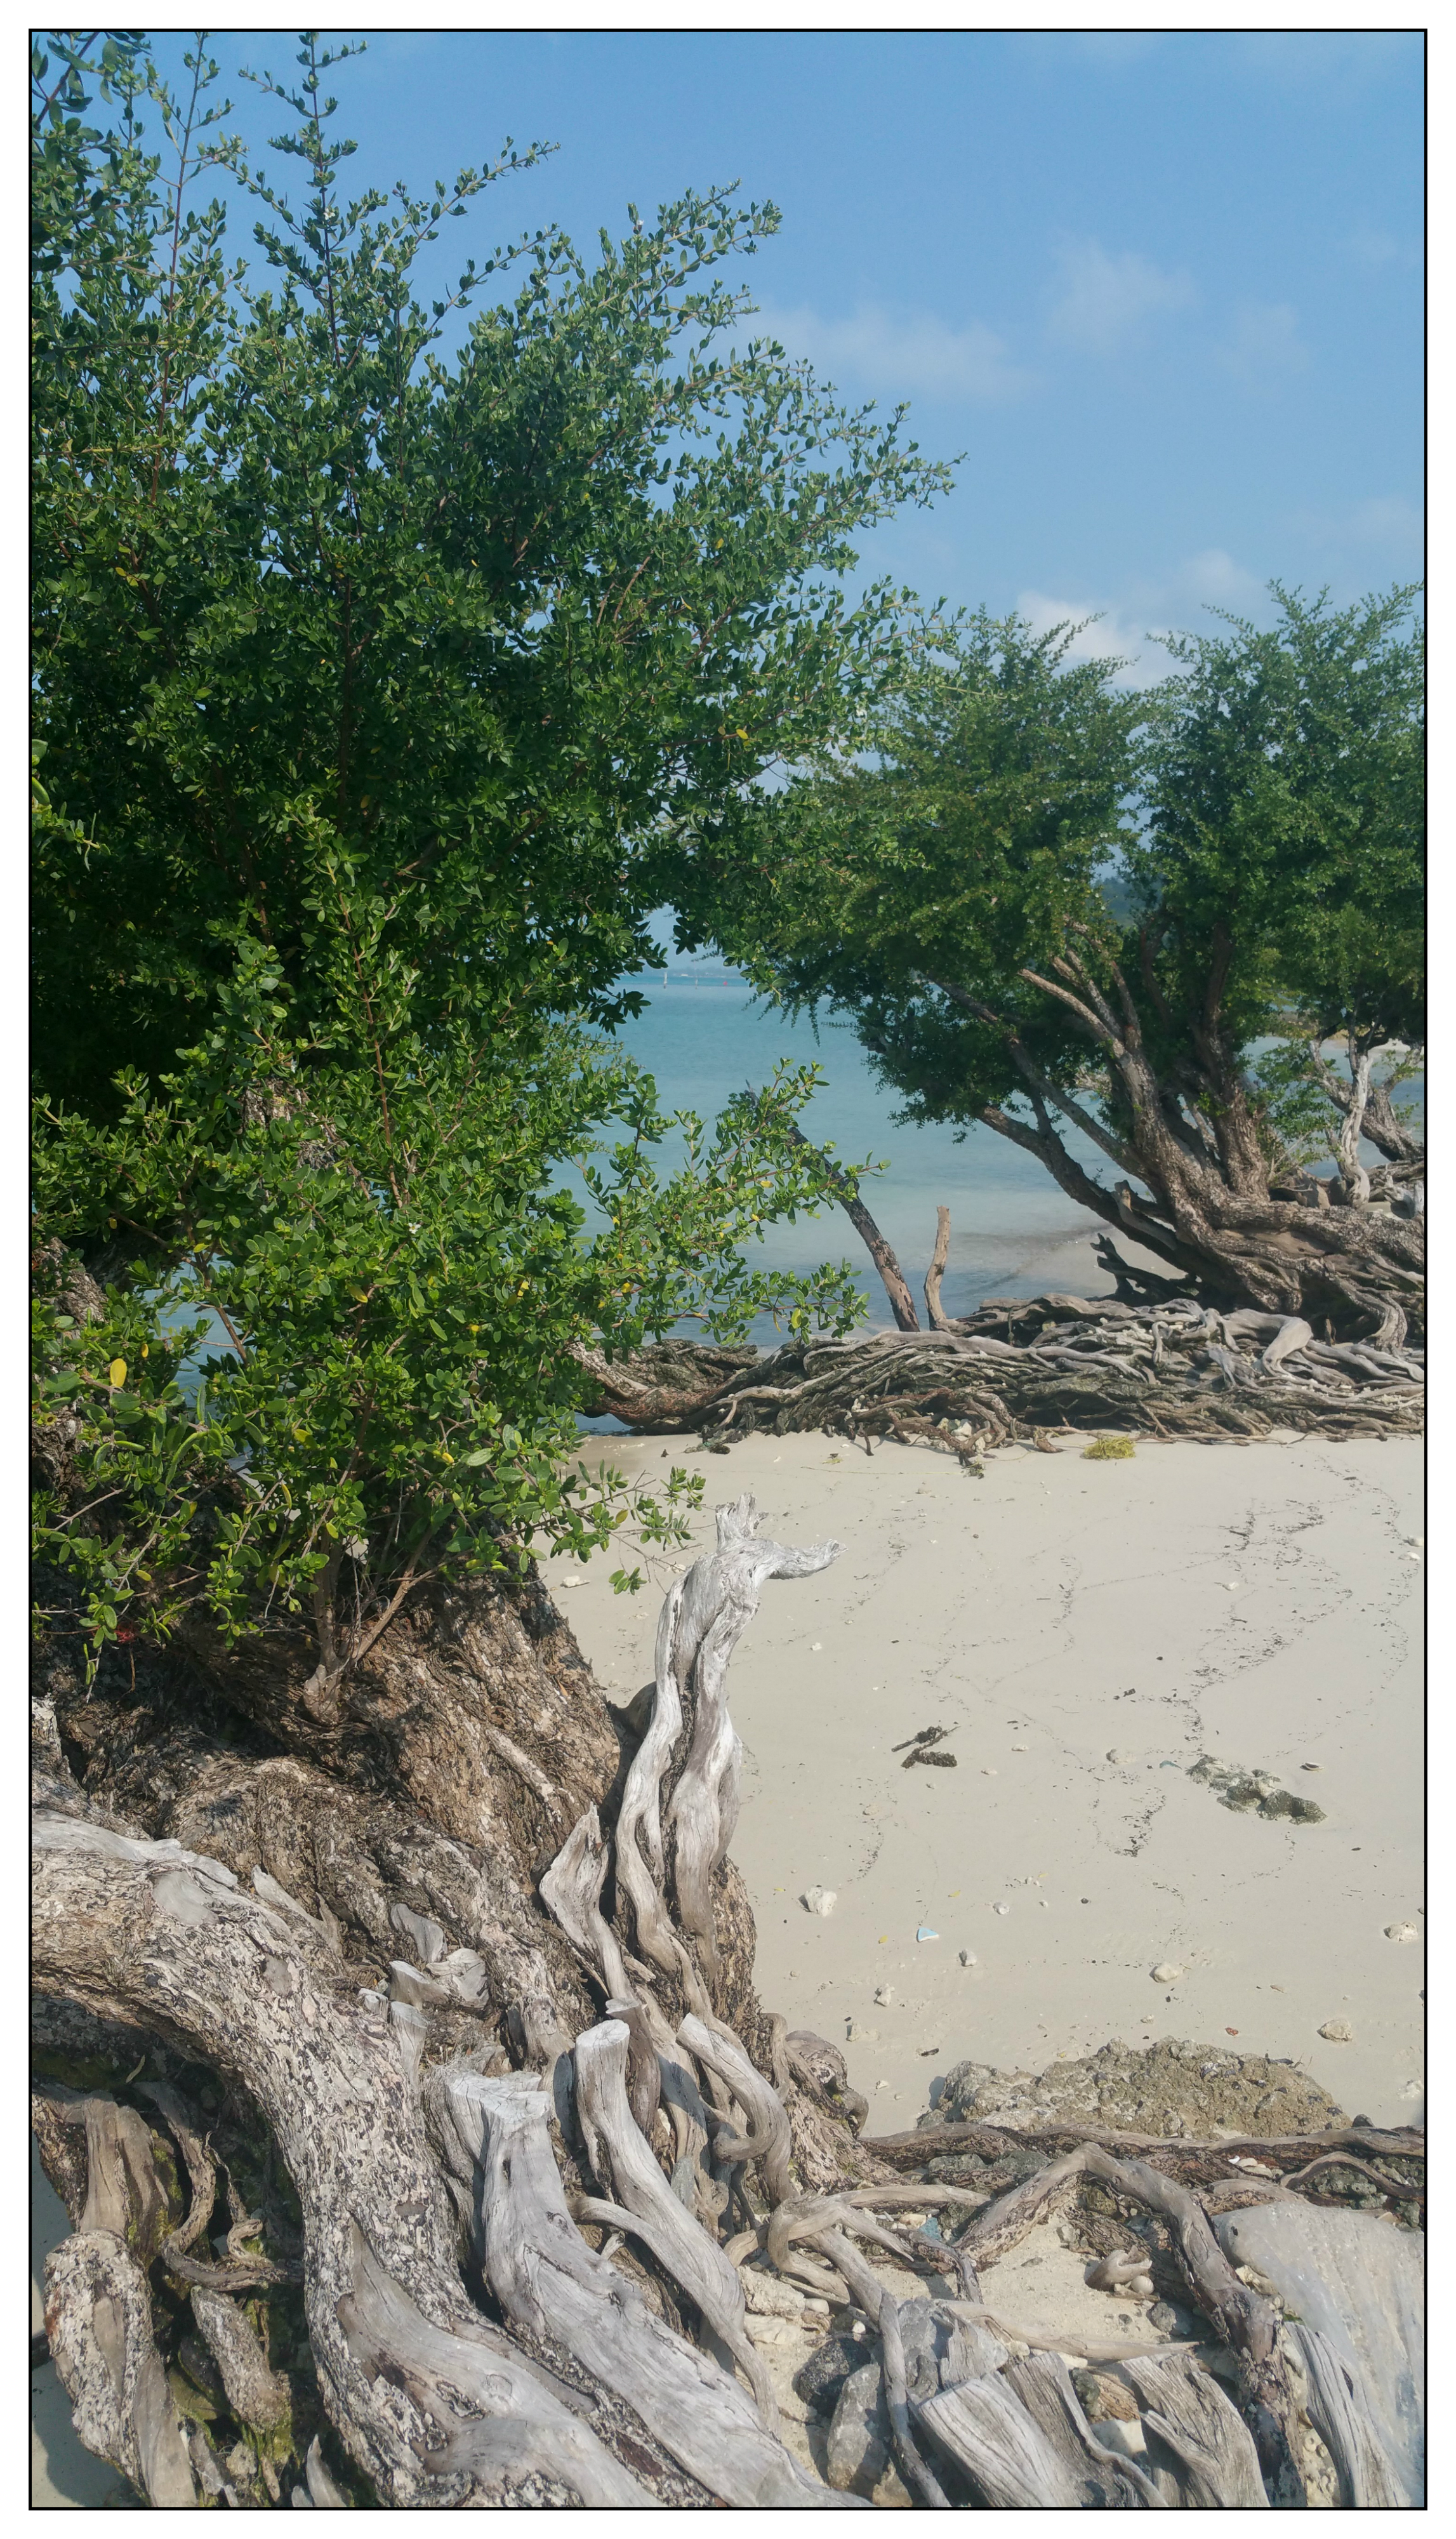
[1084, 1631]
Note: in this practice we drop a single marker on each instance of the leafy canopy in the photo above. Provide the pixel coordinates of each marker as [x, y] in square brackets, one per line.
[1261, 815]
[474, 634]
[954, 859]
[371, 689]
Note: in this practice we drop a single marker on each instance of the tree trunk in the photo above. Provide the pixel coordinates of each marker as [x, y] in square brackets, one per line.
[422, 1923]
[423, 2142]
[1219, 1202]
[892, 1276]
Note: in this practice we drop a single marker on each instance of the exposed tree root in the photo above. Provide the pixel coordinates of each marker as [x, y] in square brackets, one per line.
[425, 2156]
[1020, 1368]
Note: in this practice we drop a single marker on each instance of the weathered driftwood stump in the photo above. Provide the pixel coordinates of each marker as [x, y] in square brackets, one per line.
[424, 2143]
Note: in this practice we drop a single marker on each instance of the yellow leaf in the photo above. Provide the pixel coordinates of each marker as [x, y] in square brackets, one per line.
[742, 735]
[116, 1371]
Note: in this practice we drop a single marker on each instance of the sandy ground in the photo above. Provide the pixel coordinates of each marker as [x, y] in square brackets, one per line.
[1085, 1631]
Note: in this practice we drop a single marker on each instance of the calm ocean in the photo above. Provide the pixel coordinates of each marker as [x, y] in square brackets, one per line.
[1013, 1233]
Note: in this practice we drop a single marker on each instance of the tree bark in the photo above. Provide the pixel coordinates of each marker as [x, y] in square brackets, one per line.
[1210, 1166]
[896, 1286]
[444, 2156]
[334, 1907]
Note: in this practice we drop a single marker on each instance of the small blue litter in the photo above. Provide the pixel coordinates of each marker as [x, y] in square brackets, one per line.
[926, 1933]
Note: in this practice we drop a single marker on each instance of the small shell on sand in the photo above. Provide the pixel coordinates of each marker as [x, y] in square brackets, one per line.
[1401, 1932]
[819, 1899]
[1001, 1908]
[1338, 2031]
[1167, 1974]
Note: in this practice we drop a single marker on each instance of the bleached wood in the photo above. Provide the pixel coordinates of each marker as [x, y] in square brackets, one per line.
[493, 2419]
[571, 1891]
[644, 2071]
[149, 1934]
[618, 2154]
[936, 1272]
[1109, 2480]
[1361, 2285]
[638, 1819]
[545, 2278]
[1189, 2412]
[721, 1595]
[881, 2305]
[1336, 2408]
[984, 2427]
[1244, 2319]
[324, 2491]
[99, 2321]
[768, 2141]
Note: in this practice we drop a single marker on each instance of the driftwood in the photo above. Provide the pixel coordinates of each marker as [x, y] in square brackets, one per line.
[983, 2427]
[546, 2280]
[1108, 2479]
[930, 2141]
[1188, 2411]
[1022, 1366]
[1341, 2414]
[440, 2065]
[1357, 2288]
[1244, 2319]
[433, 2403]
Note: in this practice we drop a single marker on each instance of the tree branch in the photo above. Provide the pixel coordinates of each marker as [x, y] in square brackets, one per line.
[1090, 1022]
[902, 1303]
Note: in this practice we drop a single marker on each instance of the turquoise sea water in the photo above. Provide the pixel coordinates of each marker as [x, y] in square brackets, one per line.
[703, 1038]
[1013, 1233]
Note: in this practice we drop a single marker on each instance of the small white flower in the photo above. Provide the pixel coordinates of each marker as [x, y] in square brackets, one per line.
[357, 1547]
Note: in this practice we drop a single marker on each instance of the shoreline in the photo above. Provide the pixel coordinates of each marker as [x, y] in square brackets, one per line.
[1086, 1633]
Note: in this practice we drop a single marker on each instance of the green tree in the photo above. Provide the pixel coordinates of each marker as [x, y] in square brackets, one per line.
[367, 684]
[1262, 818]
[471, 632]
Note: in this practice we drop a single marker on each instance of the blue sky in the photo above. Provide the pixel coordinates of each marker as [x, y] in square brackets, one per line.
[1163, 291]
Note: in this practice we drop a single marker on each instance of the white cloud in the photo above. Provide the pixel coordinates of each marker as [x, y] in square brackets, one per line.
[1262, 347]
[1116, 46]
[1214, 579]
[1387, 521]
[897, 354]
[1103, 634]
[1326, 57]
[1106, 299]
[1374, 248]
[1124, 629]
